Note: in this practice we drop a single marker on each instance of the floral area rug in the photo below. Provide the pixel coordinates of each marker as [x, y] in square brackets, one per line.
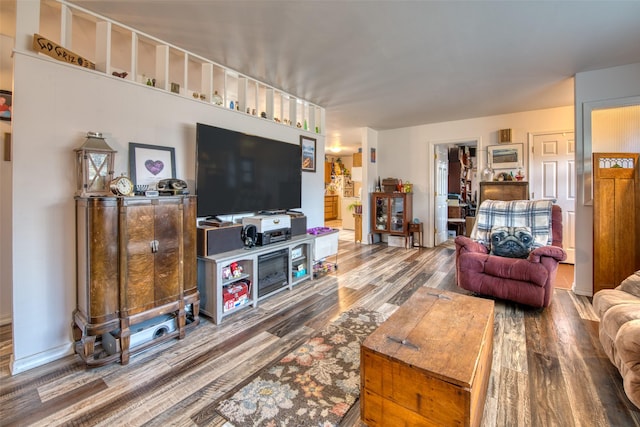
[314, 385]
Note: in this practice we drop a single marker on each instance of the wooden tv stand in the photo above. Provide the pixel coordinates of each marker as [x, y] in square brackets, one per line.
[214, 279]
[304, 252]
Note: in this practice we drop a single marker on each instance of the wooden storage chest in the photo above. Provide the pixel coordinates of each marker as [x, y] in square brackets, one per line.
[429, 363]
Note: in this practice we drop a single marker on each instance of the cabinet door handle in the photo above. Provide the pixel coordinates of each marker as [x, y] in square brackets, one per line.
[154, 246]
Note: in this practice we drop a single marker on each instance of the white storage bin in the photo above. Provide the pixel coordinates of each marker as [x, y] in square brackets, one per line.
[325, 245]
[397, 241]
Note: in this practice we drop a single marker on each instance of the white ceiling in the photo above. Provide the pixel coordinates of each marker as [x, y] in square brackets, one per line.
[391, 64]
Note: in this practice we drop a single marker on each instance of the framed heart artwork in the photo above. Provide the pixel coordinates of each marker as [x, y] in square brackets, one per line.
[148, 164]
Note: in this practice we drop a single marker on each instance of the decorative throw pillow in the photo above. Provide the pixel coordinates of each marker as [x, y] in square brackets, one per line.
[512, 242]
[535, 214]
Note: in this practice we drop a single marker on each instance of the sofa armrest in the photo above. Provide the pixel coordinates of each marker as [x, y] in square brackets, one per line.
[547, 251]
[627, 347]
[465, 244]
[631, 284]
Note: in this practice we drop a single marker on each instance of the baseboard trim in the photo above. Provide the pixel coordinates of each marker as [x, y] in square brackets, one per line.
[39, 359]
[581, 292]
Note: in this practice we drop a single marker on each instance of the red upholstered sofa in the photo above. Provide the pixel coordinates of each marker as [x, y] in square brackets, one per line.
[526, 281]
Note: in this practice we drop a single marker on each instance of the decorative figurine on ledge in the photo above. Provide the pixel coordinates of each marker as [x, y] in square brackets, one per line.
[216, 99]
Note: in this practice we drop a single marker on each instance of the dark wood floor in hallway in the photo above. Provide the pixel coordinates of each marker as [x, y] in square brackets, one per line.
[548, 369]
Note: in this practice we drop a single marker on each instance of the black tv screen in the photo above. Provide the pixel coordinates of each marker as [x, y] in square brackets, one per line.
[239, 173]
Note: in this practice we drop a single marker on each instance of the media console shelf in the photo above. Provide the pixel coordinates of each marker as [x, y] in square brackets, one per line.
[232, 275]
[300, 256]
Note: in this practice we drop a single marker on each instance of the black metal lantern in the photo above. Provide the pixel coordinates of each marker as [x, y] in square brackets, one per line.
[94, 166]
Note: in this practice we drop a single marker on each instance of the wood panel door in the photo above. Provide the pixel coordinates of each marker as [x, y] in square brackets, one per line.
[168, 260]
[616, 201]
[442, 172]
[136, 263]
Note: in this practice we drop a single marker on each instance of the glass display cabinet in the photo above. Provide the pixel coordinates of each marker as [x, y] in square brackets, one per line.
[391, 213]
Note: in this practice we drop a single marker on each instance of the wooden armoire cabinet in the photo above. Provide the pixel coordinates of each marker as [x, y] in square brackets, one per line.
[616, 218]
[136, 269]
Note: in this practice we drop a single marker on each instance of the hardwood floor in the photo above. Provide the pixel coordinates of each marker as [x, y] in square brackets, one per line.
[564, 276]
[548, 366]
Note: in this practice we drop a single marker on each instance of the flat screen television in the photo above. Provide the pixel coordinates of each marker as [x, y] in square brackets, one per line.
[239, 173]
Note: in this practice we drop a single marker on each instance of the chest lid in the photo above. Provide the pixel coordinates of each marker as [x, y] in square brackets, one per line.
[438, 332]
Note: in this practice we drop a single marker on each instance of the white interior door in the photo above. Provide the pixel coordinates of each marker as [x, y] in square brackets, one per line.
[553, 176]
[441, 190]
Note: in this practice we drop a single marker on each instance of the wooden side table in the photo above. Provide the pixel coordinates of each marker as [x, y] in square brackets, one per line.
[458, 224]
[416, 229]
[358, 227]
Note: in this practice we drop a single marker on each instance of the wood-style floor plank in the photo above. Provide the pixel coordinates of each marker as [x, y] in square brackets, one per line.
[548, 366]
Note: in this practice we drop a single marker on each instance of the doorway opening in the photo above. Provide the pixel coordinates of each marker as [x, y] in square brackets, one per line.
[343, 191]
[455, 189]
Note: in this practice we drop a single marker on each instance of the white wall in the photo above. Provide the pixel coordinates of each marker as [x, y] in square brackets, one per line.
[370, 175]
[57, 105]
[408, 153]
[611, 84]
[6, 78]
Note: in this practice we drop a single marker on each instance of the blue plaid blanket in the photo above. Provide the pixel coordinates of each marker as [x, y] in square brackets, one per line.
[535, 214]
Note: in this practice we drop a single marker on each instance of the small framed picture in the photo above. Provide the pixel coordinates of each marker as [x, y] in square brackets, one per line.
[373, 155]
[148, 164]
[5, 104]
[308, 153]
